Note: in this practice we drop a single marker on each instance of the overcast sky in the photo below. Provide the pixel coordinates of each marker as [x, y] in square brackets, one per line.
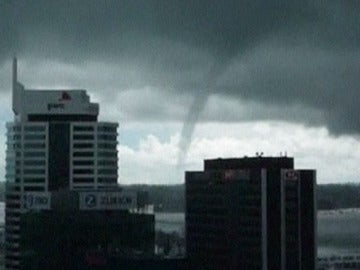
[230, 78]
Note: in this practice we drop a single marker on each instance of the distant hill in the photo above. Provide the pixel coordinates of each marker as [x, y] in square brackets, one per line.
[171, 198]
[335, 196]
[329, 196]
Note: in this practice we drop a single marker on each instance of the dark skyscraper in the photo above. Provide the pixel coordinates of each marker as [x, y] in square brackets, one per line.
[251, 213]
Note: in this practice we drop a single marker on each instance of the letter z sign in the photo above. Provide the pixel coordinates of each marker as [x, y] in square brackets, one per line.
[90, 201]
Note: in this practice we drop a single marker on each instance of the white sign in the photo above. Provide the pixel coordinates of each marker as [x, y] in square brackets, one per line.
[36, 200]
[58, 102]
[107, 200]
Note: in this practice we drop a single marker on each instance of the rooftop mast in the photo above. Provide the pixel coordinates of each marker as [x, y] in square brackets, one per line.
[14, 71]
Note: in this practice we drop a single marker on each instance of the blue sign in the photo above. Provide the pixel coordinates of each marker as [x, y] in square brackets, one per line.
[36, 200]
[107, 200]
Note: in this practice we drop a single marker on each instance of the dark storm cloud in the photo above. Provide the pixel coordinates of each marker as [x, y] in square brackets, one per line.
[276, 53]
[85, 26]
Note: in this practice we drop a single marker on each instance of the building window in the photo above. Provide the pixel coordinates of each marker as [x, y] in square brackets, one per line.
[83, 128]
[34, 189]
[34, 162]
[107, 145]
[107, 163]
[83, 145]
[83, 154]
[107, 137]
[84, 137]
[107, 171]
[107, 179]
[16, 137]
[35, 128]
[34, 171]
[83, 180]
[34, 154]
[83, 171]
[106, 129]
[15, 146]
[34, 180]
[35, 145]
[83, 162]
[107, 154]
[35, 137]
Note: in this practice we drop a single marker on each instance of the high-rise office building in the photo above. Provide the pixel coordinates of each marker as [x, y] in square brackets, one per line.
[56, 148]
[251, 213]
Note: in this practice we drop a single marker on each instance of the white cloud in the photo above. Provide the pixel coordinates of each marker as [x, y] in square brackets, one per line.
[154, 161]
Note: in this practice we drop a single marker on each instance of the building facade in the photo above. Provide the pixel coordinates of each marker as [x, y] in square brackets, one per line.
[251, 213]
[56, 144]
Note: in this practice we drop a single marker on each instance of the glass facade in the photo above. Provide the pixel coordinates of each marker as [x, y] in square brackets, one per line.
[93, 155]
[48, 156]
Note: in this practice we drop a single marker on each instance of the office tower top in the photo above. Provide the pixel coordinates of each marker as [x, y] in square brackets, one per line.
[56, 148]
[55, 141]
[52, 104]
[251, 213]
[249, 163]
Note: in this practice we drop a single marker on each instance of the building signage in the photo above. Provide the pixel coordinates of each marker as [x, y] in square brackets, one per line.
[107, 200]
[291, 175]
[65, 96]
[52, 106]
[236, 175]
[36, 200]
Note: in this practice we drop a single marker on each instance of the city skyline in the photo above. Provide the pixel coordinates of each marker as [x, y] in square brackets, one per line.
[286, 77]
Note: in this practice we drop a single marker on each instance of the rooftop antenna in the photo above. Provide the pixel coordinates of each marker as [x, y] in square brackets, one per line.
[17, 89]
[14, 71]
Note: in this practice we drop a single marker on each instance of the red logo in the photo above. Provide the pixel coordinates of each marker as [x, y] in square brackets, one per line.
[291, 175]
[229, 174]
[65, 96]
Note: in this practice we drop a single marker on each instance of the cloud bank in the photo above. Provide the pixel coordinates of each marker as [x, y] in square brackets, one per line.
[154, 159]
[273, 53]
